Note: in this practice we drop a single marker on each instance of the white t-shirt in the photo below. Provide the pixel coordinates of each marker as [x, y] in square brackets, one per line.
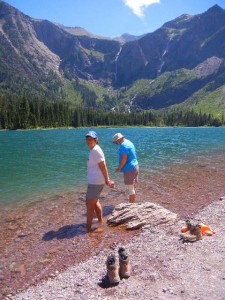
[95, 175]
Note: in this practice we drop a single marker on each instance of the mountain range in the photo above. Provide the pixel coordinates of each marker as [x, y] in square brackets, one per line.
[179, 66]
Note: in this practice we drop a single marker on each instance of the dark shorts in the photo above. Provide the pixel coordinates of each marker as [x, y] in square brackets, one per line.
[94, 191]
[131, 177]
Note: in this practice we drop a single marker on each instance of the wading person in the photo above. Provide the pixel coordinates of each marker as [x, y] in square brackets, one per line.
[97, 177]
[128, 164]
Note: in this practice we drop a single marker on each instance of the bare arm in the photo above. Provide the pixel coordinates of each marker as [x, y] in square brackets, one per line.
[104, 170]
[122, 163]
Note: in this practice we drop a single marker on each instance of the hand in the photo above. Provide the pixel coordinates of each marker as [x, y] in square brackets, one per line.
[111, 183]
[118, 170]
[107, 181]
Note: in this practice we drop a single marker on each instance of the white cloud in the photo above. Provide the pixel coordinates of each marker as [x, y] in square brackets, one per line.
[138, 6]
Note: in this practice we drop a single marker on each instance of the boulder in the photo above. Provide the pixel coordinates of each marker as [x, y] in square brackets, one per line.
[137, 215]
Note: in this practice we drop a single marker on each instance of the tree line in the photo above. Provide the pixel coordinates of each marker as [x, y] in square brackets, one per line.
[24, 114]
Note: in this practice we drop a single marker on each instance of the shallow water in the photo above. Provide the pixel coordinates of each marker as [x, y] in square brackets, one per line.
[37, 164]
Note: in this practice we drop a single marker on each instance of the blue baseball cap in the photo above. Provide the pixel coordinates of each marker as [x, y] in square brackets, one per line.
[92, 134]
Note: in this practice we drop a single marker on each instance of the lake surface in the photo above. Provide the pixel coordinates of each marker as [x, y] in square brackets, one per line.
[39, 163]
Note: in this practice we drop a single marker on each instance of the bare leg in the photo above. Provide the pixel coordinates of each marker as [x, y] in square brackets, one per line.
[132, 193]
[98, 211]
[132, 198]
[90, 213]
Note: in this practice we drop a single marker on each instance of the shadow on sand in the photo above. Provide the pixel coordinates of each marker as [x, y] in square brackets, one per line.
[71, 231]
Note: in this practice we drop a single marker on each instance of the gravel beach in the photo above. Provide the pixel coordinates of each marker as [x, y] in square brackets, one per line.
[162, 267]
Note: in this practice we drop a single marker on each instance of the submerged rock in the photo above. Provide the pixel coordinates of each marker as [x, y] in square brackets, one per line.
[137, 215]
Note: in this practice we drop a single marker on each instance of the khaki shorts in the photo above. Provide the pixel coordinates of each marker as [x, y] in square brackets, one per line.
[94, 191]
[131, 177]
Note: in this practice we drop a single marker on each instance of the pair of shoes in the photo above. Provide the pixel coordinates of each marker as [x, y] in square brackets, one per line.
[117, 270]
[191, 233]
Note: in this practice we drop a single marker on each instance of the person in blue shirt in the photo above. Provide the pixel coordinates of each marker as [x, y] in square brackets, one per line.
[128, 164]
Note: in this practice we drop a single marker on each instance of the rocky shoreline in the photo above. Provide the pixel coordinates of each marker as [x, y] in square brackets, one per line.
[44, 240]
[162, 267]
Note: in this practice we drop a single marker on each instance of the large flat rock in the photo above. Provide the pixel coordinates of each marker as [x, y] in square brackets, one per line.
[137, 215]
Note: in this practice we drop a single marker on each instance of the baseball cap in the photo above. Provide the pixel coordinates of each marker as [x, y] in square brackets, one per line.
[92, 134]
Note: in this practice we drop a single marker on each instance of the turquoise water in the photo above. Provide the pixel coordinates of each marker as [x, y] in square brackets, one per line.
[44, 162]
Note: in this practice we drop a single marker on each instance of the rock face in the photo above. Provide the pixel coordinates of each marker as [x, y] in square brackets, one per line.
[184, 56]
[137, 215]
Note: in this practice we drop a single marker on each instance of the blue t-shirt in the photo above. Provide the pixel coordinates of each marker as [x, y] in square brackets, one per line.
[128, 148]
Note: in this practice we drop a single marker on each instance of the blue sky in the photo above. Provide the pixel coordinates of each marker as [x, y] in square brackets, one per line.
[111, 18]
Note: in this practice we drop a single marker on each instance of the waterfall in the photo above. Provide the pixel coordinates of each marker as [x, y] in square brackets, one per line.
[162, 61]
[117, 56]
